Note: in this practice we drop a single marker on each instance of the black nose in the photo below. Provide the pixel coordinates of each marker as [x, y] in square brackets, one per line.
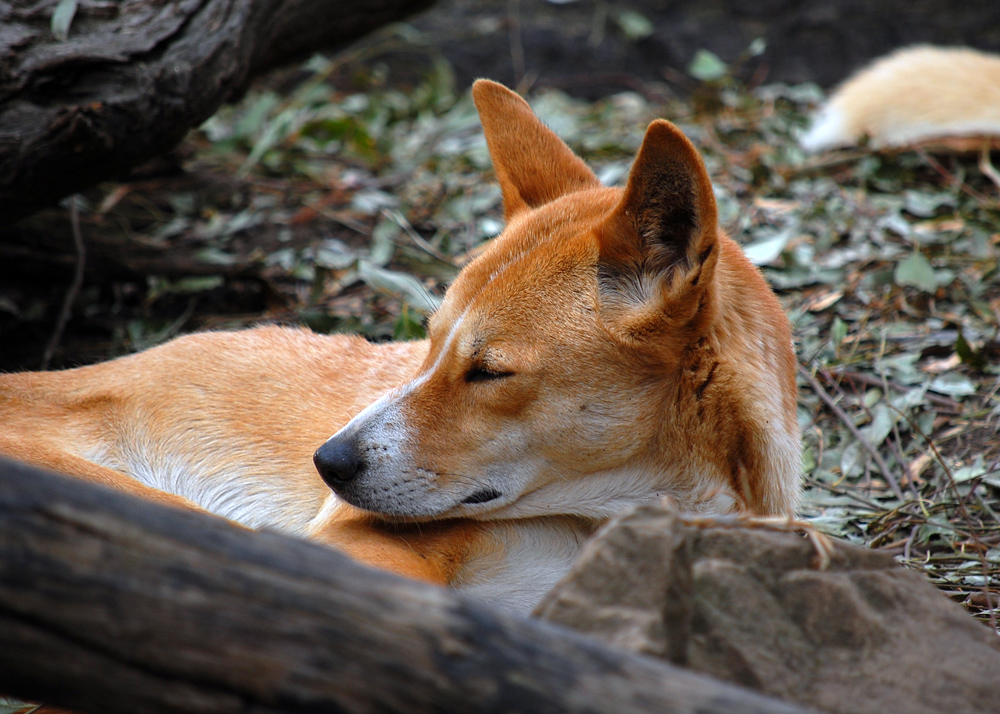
[337, 461]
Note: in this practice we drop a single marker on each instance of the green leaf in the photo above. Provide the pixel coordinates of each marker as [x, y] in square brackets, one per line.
[757, 47]
[924, 204]
[62, 18]
[838, 332]
[334, 254]
[936, 526]
[973, 470]
[968, 355]
[408, 326]
[808, 460]
[952, 384]
[407, 287]
[191, 285]
[916, 271]
[881, 426]
[215, 256]
[9, 705]
[634, 25]
[707, 66]
[908, 399]
[767, 250]
[852, 460]
[383, 244]
[254, 118]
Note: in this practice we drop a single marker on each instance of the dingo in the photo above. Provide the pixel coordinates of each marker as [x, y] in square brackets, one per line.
[610, 347]
[914, 95]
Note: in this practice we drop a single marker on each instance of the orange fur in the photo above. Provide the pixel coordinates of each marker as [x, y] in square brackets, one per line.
[911, 96]
[611, 346]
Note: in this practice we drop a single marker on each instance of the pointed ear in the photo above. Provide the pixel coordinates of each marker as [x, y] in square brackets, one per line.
[660, 246]
[532, 164]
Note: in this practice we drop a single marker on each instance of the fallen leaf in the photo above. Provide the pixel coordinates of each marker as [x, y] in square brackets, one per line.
[916, 271]
[823, 302]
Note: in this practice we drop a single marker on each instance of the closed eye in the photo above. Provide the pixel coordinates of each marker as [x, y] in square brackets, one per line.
[480, 373]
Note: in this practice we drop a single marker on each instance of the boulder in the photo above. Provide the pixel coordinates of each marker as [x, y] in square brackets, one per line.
[761, 607]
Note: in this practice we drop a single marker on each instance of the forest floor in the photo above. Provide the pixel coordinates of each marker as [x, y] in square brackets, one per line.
[352, 210]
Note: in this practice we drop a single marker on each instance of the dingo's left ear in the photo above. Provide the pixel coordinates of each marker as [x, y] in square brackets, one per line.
[660, 246]
[532, 164]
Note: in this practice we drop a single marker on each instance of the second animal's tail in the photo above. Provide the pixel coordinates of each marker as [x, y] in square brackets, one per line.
[913, 95]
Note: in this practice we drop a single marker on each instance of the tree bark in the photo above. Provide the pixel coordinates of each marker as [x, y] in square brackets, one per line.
[133, 77]
[113, 604]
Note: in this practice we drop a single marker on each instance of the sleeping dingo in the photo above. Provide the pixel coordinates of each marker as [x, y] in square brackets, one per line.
[610, 347]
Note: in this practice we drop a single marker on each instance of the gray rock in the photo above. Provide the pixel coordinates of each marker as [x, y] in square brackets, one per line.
[749, 605]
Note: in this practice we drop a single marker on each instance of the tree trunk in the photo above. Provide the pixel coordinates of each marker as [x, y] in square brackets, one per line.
[132, 78]
[112, 604]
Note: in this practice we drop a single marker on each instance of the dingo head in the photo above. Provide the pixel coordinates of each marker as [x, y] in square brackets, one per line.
[608, 347]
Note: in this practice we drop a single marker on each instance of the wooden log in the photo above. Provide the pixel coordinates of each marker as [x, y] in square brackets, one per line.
[112, 604]
[129, 79]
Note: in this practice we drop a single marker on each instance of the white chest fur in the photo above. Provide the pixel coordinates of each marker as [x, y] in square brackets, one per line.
[523, 561]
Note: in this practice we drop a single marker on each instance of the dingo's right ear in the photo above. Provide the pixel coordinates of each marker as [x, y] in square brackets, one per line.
[660, 246]
[532, 164]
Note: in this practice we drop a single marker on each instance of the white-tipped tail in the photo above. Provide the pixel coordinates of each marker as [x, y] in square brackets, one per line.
[827, 131]
[912, 95]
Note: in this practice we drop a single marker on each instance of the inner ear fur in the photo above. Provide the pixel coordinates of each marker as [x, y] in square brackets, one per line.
[532, 164]
[659, 247]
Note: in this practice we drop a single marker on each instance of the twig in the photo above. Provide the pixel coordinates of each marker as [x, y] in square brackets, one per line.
[964, 513]
[876, 508]
[824, 163]
[909, 542]
[74, 288]
[964, 187]
[897, 443]
[896, 447]
[400, 220]
[821, 543]
[986, 166]
[340, 218]
[873, 381]
[514, 38]
[849, 423]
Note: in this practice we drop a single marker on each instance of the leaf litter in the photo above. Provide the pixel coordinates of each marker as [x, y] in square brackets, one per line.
[352, 211]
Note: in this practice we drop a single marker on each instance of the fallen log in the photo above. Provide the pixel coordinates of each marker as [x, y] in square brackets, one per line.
[86, 100]
[113, 604]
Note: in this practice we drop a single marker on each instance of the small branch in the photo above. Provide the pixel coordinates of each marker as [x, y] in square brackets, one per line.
[986, 166]
[964, 187]
[400, 220]
[514, 39]
[74, 288]
[823, 163]
[981, 545]
[849, 423]
[873, 381]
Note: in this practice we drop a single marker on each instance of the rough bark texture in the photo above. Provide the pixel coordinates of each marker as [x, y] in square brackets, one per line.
[111, 604]
[131, 78]
[748, 605]
[38, 246]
